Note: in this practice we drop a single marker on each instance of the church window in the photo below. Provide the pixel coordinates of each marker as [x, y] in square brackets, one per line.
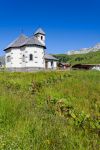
[8, 58]
[31, 57]
[23, 58]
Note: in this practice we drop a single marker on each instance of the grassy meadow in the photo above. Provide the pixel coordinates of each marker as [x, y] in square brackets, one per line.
[50, 110]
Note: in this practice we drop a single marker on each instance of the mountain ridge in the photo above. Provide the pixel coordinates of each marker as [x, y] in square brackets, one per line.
[84, 50]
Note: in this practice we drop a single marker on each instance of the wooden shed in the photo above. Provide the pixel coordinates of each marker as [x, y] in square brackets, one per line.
[86, 66]
[64, 65]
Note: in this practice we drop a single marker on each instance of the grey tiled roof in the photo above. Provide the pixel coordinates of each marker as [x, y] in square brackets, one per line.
[33, 41]
[50, 57]
[18, 42]
[23, 40]
[39, 31]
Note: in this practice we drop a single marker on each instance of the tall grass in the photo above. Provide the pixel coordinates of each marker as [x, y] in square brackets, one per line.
[50, 110]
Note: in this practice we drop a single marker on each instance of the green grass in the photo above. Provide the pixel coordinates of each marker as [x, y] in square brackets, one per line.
[89, 58]
[50, 110]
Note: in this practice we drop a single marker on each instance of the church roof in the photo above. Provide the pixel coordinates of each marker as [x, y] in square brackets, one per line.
[50, 57]
[23, 40]
[39, 31]
[18, 42]
[33, 41]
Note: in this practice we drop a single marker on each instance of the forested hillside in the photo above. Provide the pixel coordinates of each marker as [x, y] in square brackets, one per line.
[89, 58]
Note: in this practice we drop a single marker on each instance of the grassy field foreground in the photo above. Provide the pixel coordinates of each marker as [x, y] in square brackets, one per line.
[50, 111]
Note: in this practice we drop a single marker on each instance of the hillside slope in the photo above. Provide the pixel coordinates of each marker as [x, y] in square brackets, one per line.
[90, 58]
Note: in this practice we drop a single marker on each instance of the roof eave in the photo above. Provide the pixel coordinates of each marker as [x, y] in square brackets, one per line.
[33, 45]
[7, 48]
[24, 45]
[51, 59]
[11, 47]
[40, 33]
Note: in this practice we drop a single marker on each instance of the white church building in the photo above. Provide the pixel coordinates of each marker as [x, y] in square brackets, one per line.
[28, 53]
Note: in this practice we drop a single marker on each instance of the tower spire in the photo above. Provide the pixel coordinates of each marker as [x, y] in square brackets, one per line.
[40, 35]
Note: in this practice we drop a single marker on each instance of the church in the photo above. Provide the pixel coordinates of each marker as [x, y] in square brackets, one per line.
[29, 53]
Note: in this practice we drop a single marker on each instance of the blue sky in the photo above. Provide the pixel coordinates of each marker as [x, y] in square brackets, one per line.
[69, 24]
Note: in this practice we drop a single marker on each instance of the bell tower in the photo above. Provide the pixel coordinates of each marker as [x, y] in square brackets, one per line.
[40, 35]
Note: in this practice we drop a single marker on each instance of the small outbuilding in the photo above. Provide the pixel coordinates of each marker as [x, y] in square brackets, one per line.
[86, 66]
[64, 65]
[50, 62]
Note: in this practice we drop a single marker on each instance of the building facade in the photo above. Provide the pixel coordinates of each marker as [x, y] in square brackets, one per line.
[28, 53]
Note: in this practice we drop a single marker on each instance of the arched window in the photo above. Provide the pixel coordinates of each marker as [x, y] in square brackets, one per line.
[30, 57]
[41, 37]
[23, 58]
[8, 58]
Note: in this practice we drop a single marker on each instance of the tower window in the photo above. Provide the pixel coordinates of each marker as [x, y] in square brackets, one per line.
[31, 57]
[41, 37]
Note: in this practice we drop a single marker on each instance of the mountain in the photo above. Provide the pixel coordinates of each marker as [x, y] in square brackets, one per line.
[85, 50]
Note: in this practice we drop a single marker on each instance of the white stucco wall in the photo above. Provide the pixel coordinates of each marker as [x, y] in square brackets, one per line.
[49, 65]
[38, 57]
[17, 57]
[38, 61]
[52, 66]
[55, 64]
[8, 64]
